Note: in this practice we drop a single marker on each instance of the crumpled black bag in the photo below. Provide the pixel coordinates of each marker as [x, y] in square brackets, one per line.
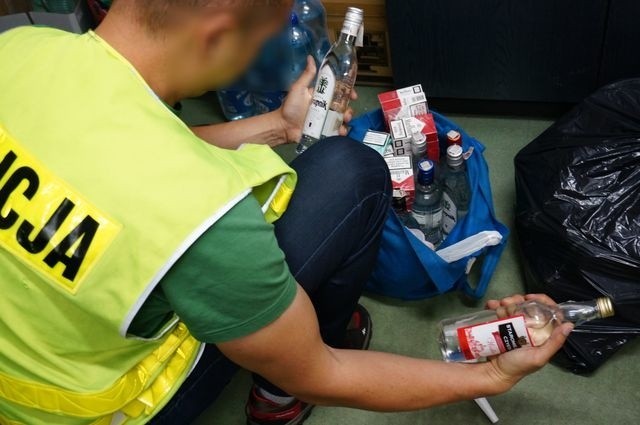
[578, 217]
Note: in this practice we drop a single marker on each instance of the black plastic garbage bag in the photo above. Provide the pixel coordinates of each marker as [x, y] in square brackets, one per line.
[578, 217]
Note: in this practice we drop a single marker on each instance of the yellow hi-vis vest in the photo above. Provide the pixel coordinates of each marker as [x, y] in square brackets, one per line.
[102, 189]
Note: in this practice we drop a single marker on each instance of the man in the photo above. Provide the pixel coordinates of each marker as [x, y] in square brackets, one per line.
[126, 241]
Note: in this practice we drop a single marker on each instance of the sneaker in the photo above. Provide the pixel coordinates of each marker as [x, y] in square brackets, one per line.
[359, 331]
[261, 411]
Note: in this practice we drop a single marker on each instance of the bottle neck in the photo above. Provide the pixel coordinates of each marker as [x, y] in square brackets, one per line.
[579, 312]
[348, 39]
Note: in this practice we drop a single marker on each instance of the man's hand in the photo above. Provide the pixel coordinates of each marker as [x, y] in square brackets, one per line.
[508, 368]
[296, 105]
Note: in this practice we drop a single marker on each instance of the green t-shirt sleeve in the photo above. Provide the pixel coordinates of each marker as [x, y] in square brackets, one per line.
[234, 280]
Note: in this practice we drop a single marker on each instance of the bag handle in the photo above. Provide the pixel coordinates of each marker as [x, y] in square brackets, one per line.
[491, 259]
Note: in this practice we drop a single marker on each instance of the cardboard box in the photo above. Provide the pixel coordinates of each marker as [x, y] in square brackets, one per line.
[404, 103]
[374, 58]
[402, 180]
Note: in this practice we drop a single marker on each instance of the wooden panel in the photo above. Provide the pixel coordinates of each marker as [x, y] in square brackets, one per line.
[8, 7]
[621, 58]
[374, 59]
[525, 50]
[372, 8]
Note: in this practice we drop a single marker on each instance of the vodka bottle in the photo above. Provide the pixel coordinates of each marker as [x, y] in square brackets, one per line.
[454, 138]
[456, 192]
[493, 332]
[418, 148]
[408, 220]
[336, 79]
[427, 206]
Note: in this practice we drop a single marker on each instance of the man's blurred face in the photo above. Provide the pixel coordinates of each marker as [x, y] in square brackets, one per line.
[230, 54]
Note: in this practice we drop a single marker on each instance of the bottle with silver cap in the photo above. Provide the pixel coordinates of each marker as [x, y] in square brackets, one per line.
[418, 148]
[427, 206]
[336, 79]
[488, 333]
[456, 191]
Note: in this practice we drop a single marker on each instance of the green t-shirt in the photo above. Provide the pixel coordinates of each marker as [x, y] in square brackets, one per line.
[233, 281]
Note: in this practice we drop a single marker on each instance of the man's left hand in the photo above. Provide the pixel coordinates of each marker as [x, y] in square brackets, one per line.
[296, 105]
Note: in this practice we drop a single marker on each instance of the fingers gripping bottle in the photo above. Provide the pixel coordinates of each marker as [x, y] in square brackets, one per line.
[493, 332]
[335, 82]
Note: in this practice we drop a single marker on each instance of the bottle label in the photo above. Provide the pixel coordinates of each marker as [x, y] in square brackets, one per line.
[321, 103]
[449, 214]
[429, 220]
[332, 124]
[493, 338]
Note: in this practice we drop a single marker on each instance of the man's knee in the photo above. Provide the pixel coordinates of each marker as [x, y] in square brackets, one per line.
[351, 165]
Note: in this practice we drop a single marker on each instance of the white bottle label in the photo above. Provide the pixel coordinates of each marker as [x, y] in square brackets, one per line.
[332, 124]
[322, 98]
[449, 214]
[493, 338]
[429, 220]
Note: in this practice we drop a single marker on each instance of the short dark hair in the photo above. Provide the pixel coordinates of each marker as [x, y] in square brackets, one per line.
[156, 14]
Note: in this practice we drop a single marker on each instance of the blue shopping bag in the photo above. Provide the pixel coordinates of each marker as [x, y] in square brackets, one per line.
[409, 270]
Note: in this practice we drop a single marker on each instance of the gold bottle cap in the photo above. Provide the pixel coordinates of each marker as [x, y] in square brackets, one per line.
[605, 307]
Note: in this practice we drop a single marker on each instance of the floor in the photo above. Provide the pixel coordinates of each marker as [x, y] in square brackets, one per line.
[552, 396]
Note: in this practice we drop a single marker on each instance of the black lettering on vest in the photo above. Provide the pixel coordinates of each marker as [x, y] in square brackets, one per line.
[38, 244]
[7, 162]
[84, 232]
[21, 174]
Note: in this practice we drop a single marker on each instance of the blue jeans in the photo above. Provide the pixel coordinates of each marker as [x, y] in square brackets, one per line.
[330, 235]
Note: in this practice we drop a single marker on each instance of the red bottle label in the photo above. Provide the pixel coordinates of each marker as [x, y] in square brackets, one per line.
[493, 338]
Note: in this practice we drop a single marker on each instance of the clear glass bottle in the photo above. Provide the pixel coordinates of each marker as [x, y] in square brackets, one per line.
[454, 138]
[408, 220]
[418, 148]
[492, 332]
[456, 191]
[336, 79]
[427, 206]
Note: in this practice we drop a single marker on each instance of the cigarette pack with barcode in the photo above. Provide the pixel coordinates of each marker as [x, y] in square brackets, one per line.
[402, 181]
[404, 103]
[400, 137]
[427, 126]
[377, 141]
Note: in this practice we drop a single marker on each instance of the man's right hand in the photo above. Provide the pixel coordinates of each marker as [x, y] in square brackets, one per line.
[290, 353]
[509, 368]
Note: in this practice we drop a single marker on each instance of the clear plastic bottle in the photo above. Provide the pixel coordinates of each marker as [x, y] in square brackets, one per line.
[281, 63]
[456, 191]
[313, 14]
[236, 103]
[335, 82]
[492, 332]
[427, 206]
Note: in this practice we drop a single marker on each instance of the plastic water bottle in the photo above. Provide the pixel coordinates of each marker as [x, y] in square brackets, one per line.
[281, 63]
[236, 103]
[313, 14]
[457, 193]
[336, 79]
[427, 206]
